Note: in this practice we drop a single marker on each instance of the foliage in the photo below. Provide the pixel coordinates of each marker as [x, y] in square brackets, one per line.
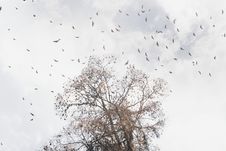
[108, 113]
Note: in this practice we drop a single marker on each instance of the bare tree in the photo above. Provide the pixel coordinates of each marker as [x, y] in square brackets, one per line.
[109, 113]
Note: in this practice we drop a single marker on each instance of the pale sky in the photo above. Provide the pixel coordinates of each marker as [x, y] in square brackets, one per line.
[196, 108]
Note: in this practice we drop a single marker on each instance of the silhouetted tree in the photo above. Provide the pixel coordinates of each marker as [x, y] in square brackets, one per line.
[109, 113]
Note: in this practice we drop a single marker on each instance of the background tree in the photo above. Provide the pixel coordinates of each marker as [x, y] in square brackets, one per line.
[109, 113]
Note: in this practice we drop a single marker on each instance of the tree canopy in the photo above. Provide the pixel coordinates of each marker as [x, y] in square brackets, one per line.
[108, 112]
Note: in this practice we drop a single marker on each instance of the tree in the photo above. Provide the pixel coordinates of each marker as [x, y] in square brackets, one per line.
[109, 113]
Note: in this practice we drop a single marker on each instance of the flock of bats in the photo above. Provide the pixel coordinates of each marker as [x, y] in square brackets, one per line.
[117, 29]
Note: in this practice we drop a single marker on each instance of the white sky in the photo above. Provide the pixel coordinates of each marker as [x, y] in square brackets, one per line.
[195, 111]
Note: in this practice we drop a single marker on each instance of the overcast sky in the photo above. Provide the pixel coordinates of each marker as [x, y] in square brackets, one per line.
[196, 108]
